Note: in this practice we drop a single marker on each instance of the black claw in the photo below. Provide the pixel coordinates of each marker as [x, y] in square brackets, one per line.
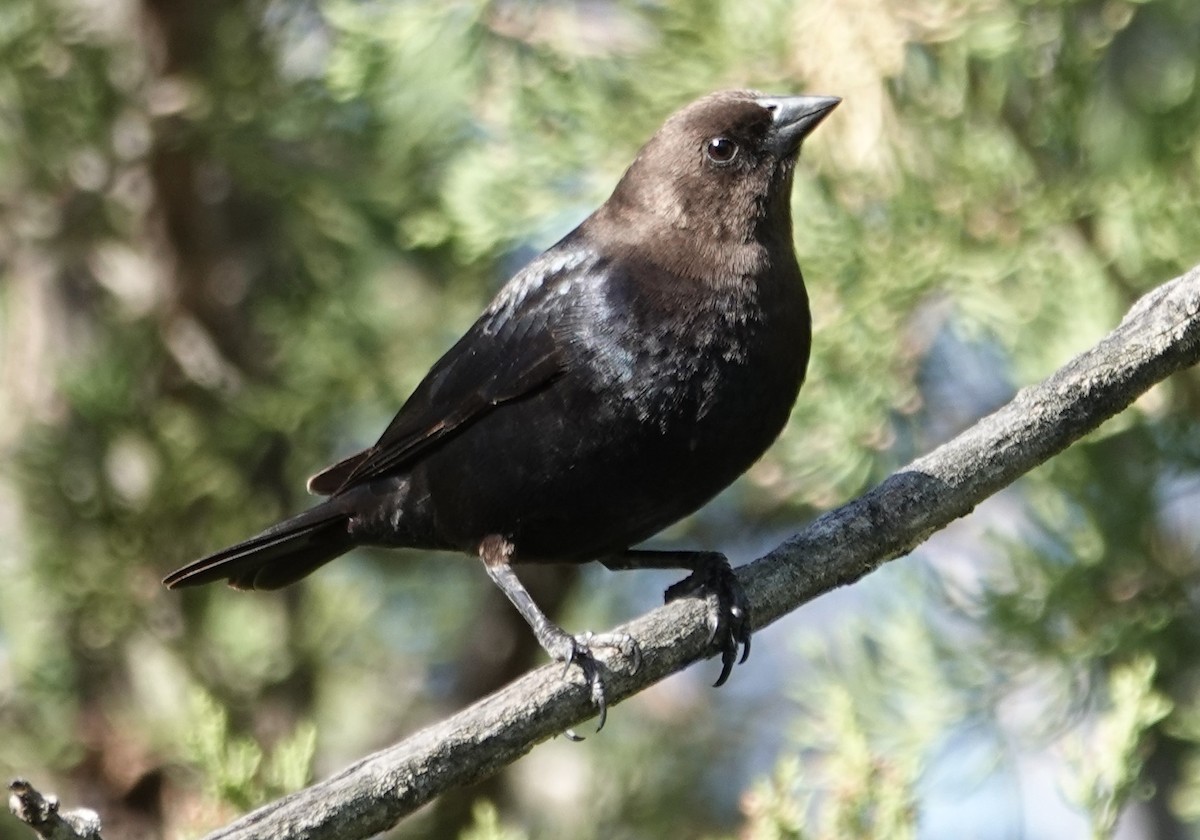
[577, 650]
[728, 611]
[726, 667]
[581, 655]
[603, 706]
[591, 673]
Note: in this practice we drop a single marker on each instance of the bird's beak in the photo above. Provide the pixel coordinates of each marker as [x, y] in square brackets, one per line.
[794, 117]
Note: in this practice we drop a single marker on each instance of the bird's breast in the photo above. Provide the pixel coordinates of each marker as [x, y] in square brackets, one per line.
[674, 361]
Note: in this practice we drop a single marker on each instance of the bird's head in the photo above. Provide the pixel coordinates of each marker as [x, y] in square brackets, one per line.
[719, 172]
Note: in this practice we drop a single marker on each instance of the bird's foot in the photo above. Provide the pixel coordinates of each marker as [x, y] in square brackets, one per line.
[578, 650]
[495, 551]
[728, 609]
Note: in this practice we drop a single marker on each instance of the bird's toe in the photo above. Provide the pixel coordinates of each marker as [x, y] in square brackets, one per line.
[728, 610]
[580, 652]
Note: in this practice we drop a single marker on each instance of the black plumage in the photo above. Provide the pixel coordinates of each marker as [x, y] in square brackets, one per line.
[612, 387]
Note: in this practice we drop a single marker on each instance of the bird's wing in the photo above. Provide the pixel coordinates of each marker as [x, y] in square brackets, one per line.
[510, 353]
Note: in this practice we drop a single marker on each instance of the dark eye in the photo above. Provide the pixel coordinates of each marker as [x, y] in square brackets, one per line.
[721, 150]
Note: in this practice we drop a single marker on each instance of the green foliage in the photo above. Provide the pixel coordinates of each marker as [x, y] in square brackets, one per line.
[777, 808]
[870, 801]
[235, 768]
[487, 825]
[860, 760]
[859, 746]
[1108, 762]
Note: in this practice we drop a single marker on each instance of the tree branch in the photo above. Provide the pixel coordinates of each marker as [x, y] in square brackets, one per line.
[42, 815]
[1159, 336]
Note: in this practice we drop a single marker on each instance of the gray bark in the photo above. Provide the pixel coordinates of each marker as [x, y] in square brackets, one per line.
[41, 813]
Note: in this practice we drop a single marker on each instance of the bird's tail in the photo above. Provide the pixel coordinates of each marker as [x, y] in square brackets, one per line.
[280, 555]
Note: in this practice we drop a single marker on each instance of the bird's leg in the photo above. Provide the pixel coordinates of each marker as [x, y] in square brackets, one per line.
[712, 579]
[496, 552]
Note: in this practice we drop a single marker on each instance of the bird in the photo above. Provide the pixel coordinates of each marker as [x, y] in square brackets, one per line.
[612, 387]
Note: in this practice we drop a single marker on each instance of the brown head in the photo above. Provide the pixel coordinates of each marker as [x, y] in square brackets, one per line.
[712, 187]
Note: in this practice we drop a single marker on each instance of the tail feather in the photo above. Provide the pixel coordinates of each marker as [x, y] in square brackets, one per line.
[275, 558]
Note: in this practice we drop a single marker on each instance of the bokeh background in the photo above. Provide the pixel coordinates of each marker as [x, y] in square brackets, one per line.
[235, 233]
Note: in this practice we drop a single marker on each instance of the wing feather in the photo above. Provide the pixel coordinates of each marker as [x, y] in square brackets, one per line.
[510, 353]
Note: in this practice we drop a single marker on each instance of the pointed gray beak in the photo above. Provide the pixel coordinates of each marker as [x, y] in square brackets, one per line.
[794, 117]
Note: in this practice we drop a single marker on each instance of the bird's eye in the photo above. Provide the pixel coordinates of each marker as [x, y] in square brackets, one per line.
[721, 150]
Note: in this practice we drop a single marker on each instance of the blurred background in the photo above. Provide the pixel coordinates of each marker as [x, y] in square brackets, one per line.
[234, 234]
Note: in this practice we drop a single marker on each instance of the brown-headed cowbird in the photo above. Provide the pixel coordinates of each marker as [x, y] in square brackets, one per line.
[615, 385]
